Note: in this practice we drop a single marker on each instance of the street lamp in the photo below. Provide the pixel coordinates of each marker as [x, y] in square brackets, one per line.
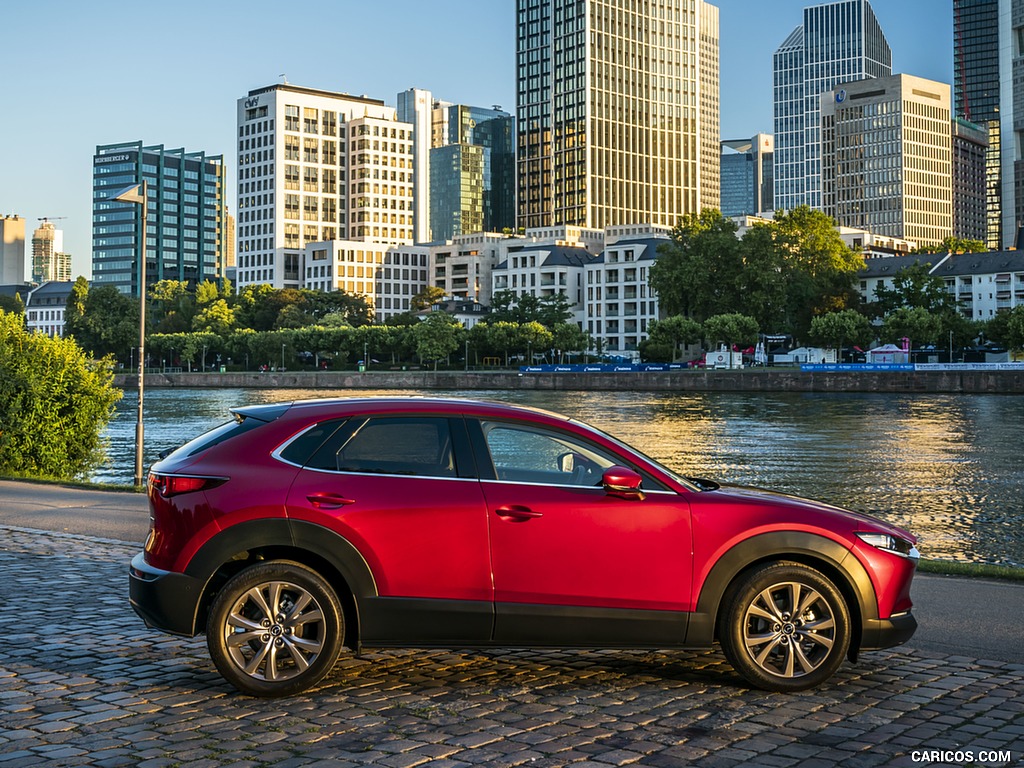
[139, 194]
[282, 357]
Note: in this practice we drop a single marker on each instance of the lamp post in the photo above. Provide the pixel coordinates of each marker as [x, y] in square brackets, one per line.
[282, 357]
[139, 194]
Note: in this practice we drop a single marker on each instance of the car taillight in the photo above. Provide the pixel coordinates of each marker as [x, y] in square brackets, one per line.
[173, 485]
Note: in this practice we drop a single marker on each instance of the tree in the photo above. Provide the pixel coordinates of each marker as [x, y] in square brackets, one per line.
[171, 307]
[733, 329]
[216, 317]
[913, 286]
[834, 329]
[569, 337]
[426, 298]
[534, 336]
[696, 271]
[915, 323]
[1013, 335]
[437, 336]
[102, 320]
[672, 333]
[54, 404]
[954, 245]
[12, 304]
[820, 269]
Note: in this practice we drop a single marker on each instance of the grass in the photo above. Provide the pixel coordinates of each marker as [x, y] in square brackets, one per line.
[970, 570]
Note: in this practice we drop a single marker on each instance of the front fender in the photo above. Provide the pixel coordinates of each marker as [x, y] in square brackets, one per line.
[824, 554]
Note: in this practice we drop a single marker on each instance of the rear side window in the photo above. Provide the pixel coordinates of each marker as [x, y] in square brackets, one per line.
[413, 445]
[215, 436]
[299, 449]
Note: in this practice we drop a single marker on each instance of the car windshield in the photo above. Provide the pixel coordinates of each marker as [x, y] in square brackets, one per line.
[692, 484]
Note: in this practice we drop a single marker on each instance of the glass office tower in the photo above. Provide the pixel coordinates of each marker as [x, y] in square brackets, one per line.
[617, 111]
[837, 43]
[185, 227]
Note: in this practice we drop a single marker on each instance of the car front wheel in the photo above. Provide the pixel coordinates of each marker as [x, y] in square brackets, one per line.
[785, 627]
[275, 629]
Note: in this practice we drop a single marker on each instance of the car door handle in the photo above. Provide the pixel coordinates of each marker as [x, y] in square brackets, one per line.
[329, 500]
[514, 513]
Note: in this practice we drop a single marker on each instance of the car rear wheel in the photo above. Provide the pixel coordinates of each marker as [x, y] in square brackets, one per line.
[785, 627]
[275, 629]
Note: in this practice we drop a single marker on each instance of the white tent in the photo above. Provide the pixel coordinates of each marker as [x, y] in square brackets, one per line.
[887, 353]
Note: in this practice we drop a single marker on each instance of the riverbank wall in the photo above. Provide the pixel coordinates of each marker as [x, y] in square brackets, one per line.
[751, 380]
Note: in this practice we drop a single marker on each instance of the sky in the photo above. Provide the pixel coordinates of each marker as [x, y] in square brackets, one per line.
[77, 75]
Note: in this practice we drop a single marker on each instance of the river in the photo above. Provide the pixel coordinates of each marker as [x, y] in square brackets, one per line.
[947, 467]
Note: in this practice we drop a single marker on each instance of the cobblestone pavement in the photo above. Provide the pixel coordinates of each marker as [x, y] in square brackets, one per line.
[84, 682]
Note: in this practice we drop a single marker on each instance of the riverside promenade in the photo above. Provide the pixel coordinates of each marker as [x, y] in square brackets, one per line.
[958, 381]
[84, 683]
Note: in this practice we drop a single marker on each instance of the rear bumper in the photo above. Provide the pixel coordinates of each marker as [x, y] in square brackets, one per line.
[164, 600]
[886, 633]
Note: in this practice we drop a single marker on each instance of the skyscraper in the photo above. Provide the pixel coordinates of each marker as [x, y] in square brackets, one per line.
[617, 111]
[472, 171]
[986, 49]
[49, 262]
[184, 224]
[886, 157]
[12, 250]
[836, 43]
[747, 175]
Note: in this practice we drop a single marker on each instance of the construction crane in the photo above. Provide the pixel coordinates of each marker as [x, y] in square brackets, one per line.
[51, 218]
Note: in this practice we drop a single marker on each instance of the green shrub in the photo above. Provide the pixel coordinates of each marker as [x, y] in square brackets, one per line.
[54, 404]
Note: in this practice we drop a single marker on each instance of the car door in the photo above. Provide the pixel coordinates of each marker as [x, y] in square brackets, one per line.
[573, 564]
[402, 490]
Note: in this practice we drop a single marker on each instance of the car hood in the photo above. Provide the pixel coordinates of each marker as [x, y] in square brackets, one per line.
[858, 521]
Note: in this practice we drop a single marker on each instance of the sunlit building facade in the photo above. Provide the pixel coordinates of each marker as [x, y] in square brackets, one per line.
[315, 166]
[617, 111]
[886, 157]
[49, 261]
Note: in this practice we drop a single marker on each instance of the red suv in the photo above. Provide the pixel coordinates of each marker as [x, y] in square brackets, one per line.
[299, 528]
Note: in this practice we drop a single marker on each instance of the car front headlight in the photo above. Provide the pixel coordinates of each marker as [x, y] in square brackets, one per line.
[890, 543]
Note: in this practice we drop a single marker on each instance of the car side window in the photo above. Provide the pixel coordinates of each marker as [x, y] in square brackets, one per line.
[412, 445]
[532, 455]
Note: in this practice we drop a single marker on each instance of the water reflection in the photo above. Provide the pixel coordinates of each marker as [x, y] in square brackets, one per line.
[945, 466]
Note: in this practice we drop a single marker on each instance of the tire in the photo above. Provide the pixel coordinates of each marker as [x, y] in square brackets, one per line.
[785, 627]
[275, 629]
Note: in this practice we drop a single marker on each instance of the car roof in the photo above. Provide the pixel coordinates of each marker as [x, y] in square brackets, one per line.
[398, 404]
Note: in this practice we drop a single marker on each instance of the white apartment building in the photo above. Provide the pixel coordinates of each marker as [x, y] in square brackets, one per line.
[984, 284]
[620, 303]
[315, 166]
[45, 307]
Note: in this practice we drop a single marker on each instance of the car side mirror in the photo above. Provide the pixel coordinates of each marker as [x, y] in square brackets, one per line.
[623, 483]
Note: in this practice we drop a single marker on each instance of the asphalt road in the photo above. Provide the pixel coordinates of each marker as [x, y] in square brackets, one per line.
[977, 618]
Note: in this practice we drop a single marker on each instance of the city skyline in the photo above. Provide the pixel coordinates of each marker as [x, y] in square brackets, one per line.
[96, 91]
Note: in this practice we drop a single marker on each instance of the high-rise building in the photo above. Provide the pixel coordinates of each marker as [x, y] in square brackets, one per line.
[986, 55]
[12, 250]
[837, 43]
[970, 152]
[472, 171]
[886, 157]
[416, 106]
[184, 224]
[617, 111]
[747, 175]
[316, 166]
[49, 262]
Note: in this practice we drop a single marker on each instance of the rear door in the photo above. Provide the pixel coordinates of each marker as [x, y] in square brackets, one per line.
[403, 491]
